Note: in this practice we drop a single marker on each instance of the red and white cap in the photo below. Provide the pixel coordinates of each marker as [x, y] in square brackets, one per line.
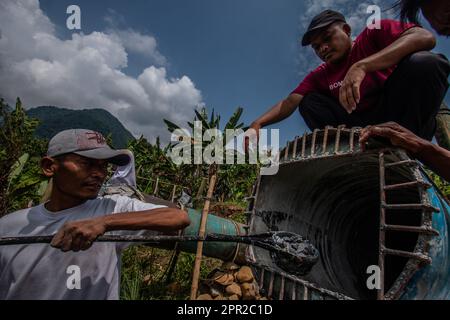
[86, 143]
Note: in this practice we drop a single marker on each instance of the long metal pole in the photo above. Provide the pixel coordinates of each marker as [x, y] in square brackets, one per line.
[262, 240]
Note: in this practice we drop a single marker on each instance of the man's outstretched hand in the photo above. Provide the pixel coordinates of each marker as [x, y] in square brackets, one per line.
[397, 135]
[252, 134]
[434, 156]
[349, 93]
[78, 235]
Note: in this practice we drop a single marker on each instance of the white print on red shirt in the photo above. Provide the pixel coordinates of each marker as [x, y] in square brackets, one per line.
[336, 85]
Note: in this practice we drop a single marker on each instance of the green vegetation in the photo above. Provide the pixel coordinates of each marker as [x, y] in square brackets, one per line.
[442, 185]
[145, 274]
[21, 182]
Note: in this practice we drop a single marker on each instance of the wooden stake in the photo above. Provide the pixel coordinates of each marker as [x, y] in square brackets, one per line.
[155, 191]
[201, 188]
[174, 191]
[201, 233]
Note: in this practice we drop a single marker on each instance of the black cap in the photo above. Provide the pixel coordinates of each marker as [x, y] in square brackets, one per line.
[323, 19]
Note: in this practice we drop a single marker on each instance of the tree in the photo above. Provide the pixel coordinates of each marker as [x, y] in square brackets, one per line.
[19, 158]
[233, 179]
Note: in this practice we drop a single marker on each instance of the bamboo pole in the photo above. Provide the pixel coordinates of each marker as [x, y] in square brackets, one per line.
[201, 188]
[201, 233]
[155, 191]
[174, 191]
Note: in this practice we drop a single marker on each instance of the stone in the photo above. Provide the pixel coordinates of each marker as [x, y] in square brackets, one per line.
[248, 291]
[229, 266]
[220, 297]
[234, 289]
[244, 274]
[233, 297]
[147, 279]
[204, 296]
[224, 279]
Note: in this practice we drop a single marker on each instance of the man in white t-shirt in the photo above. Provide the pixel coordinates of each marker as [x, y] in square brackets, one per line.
[73, 266]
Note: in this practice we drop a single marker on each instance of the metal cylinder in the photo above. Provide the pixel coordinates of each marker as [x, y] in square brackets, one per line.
[360, 209]
[227, 251]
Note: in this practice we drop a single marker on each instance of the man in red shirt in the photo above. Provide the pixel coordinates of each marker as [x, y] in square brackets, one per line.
[385, 74]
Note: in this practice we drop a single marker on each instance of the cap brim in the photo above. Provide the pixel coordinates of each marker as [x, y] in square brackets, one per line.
[306, 40]
[118, 157]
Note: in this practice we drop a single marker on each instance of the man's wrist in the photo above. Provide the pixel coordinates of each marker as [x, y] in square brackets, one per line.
[424, 147]
[363, 65]
[256, 124]
[106, 223]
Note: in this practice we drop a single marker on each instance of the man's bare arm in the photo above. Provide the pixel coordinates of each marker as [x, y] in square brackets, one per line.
[279, 111]
[412, 40]
[79, 235]
[437, 158]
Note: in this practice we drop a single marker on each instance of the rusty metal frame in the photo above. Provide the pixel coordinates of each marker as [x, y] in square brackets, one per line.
[417, 259]
[296, 283]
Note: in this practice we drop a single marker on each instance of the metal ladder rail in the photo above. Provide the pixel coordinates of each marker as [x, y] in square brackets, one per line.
[424, 207]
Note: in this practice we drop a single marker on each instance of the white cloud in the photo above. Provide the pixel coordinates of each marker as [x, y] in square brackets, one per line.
[139, 43]
[86, 71]
[133, 41]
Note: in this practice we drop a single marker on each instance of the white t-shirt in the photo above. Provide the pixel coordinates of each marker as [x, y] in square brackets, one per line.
[39, 271]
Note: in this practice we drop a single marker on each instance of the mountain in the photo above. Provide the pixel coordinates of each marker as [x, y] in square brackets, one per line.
[55, 119]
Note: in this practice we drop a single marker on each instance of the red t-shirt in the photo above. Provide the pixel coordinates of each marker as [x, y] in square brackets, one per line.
[327, 78]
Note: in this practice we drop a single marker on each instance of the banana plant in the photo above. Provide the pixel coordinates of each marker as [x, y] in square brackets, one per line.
[19, 150]
[228, 174]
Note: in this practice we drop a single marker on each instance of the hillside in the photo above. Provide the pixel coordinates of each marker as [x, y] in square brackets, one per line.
[54, 120]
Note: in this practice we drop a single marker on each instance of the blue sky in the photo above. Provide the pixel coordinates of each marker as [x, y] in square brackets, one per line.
[234, 53]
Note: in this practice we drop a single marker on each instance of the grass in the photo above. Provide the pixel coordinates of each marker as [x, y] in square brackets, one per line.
[144, 274]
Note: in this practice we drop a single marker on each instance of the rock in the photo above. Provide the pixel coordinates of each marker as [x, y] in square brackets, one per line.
[204, 297]
[229, 266]
[233, 297]
[244, 274]
[224, 279]
[234, 289]
[147, 279]
[248, 291]
[220, 297]
[213, 273]
[214, 291]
